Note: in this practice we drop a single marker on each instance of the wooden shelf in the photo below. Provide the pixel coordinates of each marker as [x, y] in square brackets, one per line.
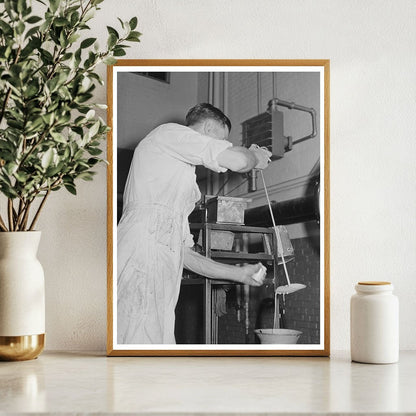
[232, 227]
[240, 256]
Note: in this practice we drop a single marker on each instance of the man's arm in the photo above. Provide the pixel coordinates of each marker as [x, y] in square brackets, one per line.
[219, 271]
[240, 159]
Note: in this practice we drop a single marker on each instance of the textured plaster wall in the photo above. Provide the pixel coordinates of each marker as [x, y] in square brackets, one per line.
[373, 198]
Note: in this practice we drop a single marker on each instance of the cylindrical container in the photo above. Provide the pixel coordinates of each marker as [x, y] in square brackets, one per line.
[374, 323]
[22, 296]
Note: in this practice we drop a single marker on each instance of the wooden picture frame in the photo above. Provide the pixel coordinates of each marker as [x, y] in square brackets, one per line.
[142, 94]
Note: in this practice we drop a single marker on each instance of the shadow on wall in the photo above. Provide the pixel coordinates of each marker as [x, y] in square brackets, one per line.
[124, 157]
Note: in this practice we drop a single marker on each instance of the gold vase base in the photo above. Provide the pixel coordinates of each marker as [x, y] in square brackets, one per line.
[21, 348]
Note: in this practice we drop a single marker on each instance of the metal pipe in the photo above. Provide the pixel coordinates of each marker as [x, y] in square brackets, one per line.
[252, 180]
[290, 105]
[293, 106]
[225, 176]
[209, 181]
[294, 211]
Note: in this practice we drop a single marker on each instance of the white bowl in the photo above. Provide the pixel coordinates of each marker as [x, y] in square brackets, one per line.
[278, 336]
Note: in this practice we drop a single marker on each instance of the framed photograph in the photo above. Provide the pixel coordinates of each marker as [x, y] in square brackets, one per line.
[218, 208]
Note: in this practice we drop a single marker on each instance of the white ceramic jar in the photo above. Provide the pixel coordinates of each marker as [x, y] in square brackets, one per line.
[374, 323]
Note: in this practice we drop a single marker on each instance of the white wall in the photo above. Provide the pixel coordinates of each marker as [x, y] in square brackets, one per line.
[145, 103]
[373, 198]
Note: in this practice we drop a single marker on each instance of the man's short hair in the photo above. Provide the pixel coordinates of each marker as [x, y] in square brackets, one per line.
[205, 111]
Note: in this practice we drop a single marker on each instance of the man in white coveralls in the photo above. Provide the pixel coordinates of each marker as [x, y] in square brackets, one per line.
[153, 237]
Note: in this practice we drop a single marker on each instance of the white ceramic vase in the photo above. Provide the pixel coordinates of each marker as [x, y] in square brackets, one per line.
[22, 296]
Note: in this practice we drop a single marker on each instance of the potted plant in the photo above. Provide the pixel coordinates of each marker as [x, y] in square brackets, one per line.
[50, 136]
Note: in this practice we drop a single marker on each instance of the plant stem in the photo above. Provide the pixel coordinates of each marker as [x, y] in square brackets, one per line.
[10, 213]
[20, 213]
[2, 224]
[39, 210]
[26, 216]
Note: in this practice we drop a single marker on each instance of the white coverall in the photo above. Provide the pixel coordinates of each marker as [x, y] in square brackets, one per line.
[160, 193]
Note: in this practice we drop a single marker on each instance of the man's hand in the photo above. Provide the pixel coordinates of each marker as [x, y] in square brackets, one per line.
[262, 155]
[247, 273]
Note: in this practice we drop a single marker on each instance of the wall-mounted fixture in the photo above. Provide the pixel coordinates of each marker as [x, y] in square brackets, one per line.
[267, 129]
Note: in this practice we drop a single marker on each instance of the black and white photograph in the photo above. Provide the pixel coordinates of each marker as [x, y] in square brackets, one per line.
[218, 215]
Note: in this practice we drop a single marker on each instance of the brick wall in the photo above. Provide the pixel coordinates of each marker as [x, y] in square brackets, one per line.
[302, 307]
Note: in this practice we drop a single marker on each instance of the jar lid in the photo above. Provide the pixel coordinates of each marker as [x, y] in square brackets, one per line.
[372, 287]
[374, 283]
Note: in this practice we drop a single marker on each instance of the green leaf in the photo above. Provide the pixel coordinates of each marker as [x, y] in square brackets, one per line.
[11, 168]
[52, 171]
[70, 188]
[32, 45]
[31, 90]
[15, 124]
[67, 153]
[33, 19]
[110, 60]
[8, 191]
[21, 6]
[87, 42]
[94, 151]
[35, 125]
[27, 11]
[119, 51]
[92, 161]
[58, 137]
[88, 16]
[54, 4]
[135, 34]
[52, 85]
[74, 18]
[73, 38]
[10, 9]
[90, 114]
[78, 154]
[63, 119]
[112, 31]
[94, 129]
[7, 52]
[77, 57]
[134, 37]
[46, 56]
[7, 30]
[61, 21]
[21, 176]
[4, 145]
[86, 176]
[112, 41]
[82, 166]
[133, 23]
[48, 118]
[47, 158]
[121, 22]
[63, 41]
[20, 28]
[82, 98]
[96, 77]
